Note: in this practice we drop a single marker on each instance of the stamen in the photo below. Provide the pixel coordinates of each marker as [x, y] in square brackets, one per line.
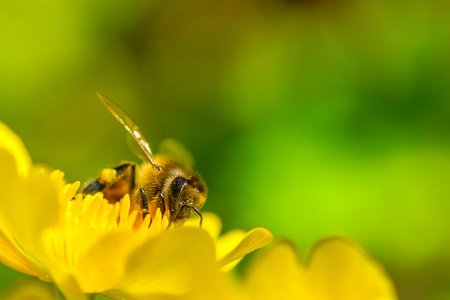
[85, 220]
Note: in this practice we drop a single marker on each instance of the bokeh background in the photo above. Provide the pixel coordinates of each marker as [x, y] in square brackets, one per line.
[308, 117]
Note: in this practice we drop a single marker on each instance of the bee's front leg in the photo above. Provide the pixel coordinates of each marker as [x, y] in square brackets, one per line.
[161, 203]
[143, 202]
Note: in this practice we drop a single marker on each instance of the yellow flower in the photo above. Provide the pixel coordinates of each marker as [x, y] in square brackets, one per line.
[337, 269]
[88, 246]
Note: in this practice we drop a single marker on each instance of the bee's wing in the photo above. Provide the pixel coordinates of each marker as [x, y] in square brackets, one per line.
[176, 152]
[135, 148]
[130, 126]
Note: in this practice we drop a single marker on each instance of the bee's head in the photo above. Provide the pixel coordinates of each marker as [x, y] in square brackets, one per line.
[188, 196]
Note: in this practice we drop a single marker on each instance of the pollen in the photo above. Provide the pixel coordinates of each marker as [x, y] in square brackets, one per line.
[107, 175]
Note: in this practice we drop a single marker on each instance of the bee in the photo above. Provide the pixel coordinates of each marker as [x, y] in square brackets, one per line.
[166, 181]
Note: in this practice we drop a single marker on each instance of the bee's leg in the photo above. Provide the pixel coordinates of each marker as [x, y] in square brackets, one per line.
[161, 203]
[93, 187]
[109, 176]
[143, 202]
[175, 213]
[180, 206]
[199, 214]
[127, 167]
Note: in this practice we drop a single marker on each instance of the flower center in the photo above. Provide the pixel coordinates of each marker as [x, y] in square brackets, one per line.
[85, 221]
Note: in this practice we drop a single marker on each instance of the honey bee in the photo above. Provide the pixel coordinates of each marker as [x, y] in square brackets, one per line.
[166, 181]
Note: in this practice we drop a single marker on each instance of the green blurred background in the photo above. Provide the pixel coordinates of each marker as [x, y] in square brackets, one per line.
[311, 118]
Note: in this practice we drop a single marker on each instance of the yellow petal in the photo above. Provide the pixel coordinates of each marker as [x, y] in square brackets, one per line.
[10, 253]
[28, 205]
[29, 289]
[340, 269]
[218, 286]
[170, 264]
[254, 239]
[109, 257]
[226, 243]
[211, 223]
[13, 258]
[68, 286]
[276, 275]
[13, 144]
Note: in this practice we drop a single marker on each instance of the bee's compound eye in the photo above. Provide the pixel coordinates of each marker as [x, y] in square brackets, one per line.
[178, 184]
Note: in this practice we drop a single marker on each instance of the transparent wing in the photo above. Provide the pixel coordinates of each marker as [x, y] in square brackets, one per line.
[135, 148]
[176, 152]
[130, 126]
